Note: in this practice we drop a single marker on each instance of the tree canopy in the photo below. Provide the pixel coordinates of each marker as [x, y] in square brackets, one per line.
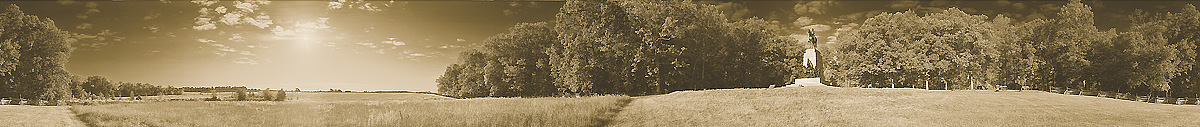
[963, 51]
[623, 47]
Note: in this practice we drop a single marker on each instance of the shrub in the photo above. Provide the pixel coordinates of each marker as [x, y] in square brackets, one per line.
[282, 96]
[241, 95]
[213, 98]
[267, 95]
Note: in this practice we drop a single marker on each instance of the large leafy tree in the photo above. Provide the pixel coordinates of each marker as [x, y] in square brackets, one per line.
[1163, 50]
[1066, 49]
[597, 38]
[506, 65]
[41, 51]
[948, 47]
[1018, 64]
[100, 86]
[523, 59]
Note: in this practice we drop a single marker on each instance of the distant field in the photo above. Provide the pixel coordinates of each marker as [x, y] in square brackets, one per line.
[359, 109]
[363, 97]
[823, 106]
[188, 95]
[37, 116]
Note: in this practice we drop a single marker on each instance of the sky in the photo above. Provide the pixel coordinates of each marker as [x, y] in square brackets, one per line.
[394, 45]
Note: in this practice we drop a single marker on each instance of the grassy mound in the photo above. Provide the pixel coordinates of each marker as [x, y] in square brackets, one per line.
[812, 106]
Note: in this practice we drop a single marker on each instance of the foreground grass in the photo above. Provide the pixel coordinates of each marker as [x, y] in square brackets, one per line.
[811, 106]
[37, 116]
[590, 111]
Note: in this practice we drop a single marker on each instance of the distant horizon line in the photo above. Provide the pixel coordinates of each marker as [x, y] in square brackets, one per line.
[314, 89]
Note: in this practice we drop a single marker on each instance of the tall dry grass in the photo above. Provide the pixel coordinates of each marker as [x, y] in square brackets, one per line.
[588, 111]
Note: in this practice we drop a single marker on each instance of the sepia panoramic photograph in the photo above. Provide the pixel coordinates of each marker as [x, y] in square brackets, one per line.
[599, 63]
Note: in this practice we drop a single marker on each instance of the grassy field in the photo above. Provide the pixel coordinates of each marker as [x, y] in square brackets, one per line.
[814, 106]
[358, 109]
[802, 106]
[362, 97]
[37, 116]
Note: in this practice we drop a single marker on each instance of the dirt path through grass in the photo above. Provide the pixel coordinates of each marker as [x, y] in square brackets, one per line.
[612, 114]
[38, 116]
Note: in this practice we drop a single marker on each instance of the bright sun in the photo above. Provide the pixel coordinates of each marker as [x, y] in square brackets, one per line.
[308, 40]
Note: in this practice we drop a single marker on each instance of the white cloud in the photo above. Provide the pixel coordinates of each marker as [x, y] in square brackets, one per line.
[204, 24]
[460, 40]
[245, 60]
[803, 21]
[336, 4]
[246, 53]
[320, 24]
[232, 18]
[280, 31]
[205, 27]
[447, 46]
[102, 38]
[245, 12]
[87, 13]
[241, 56]
[514, 4]
[237, 38]
[205, 40]
[251, 5]
[205, 2]
[152, 29]
[83, 26]
[91, 4]
[414, 56]
[67, 2]
[151, 16]
[220, 9]
[393, 41]
[298, 28]
[358, 4]
[817, 27]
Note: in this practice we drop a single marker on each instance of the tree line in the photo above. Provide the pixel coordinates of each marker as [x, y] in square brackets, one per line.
[955, 50]
[33, 53]
[597, 47]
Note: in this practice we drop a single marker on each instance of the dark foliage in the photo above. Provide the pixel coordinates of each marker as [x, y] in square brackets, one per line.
[624, 47]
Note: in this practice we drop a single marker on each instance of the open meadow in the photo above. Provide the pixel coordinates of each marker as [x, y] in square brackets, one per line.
[828, 106]
[360, 109]
[800, 106]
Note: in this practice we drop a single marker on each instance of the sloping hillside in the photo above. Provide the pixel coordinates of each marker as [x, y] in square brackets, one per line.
[827, 106]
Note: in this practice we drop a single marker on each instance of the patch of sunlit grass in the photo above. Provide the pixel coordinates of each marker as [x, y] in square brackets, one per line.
[587, 111]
